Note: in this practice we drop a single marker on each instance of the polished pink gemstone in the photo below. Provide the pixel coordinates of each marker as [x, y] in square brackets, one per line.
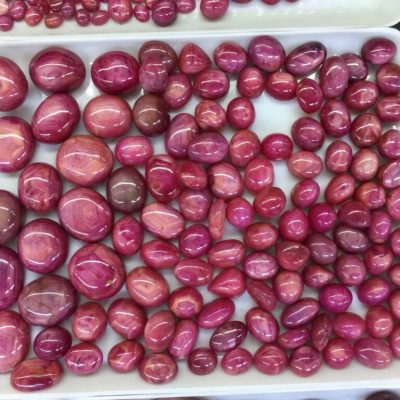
[158, 48]
[178, 91]
[335, 297]
[195, 241]
[14, 340]
[11, 216]
[281, 85]
[147, 287]
[210, 116]
[305, 164]
[125, 356]
[96, 271]
[266, 53]
[225, 181]
[260, 265]
[213, 9]
[185, 302]
[321, 331]
[17, 144]
[309, 95]
[115, 72]
[52, 343]
[84, 160]
[388, 109]
[184, 339]
[258, 175]
[305, 193]
[158, 368]
[215, 313]
[14, 86]
[195, 204]
[305, 361]
[236, 361]
[226, 253]
[127, 318]
[316, 276]
[270, 359]
[388, 78]
[350, 270]
[361, 95]
[338, 353]
[288, 286]
[202, 361]
[18, 10]
[216, 219]
[293, 225]
[208, 148]
[193, 60]
[40, 187]
[334, 76]
[365, 165]
[127, 236]
[230, 282]
[340, 188]
[335, 118]
[308, 134]
[323, 249]
[373, 353]
[159, 331]
[374, 291]
[378, 50]
[243, 147]
[107, 116]
[300, 313]
[211, 84]
[269, 202]
[159, 254]
[357, 66]
[43, 246]
[338, 156]
[84, 359]
[56, 118]
[380, 226]
[47, 301]
[89, 322]
[305, 58]
[193, 272]
[228, 336]
[365, 130]
[230, 57]
[239, 213]
[393, 204]
[85, 214]
[240, 113]
[293, 338]
[133, 150]
[250, 82]
[277, 147]
[153, 74]
[292, 256]
[192, 175]
[379, 321]
[394, 341]
[36, 374]
[371, 194]
[262, 325]
[57, 70]
[389, 144]
[99, 17]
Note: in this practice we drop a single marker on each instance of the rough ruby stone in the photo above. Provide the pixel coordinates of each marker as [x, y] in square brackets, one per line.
[236, 361]
[96, 271]
[225, 181]
[150, 115]
[11, 269]
[42, 246]
[193, 60]
[288, 286]
[305, 58]
[193, 272]
[389, 144]
[305, 361]
[338, 156]
[378, 50]
[158, 368]
[334, 76]
[57, 70]
[230, 282]
[350, 270]
[89, 322]
[215, 313]
[338, 353]
[162, 221]
[266, 53]
[321, 331]
[373, 353]
[14, 86]
[115, 72]
[126, 318]
[159, 331]
[260, 236]
[40, 187]
[52, 343]
[300, 313]
[11, 216]
[309, 95]
[107, 116]
[195, 241]
[84, 359]
[47, 301]
[14, 340]
[335, 118]
[127, 236]
[262, 294]
[305, 193]
[293, 338]
[357, 66]
[195, 204]
[305, 164]
[335, 298]
[250, 82]
[270, 359]
[84, 160]
[292, 256]
[308, 134]
[230, 57]
[374, 291]
[213, 9]
[17, 144]
[243, 147]
[277, 147]
[85, 214]
[216, 219]
[181, 131]
[126, 190]
[316, 276]
[388, 79]
[262, 325]
[323, 249]
[36, 374]
[211, 84]
[340, 188]
[147, 287]
[226, 253]
[178, 91]
[185, 302]
[184, 339]
[133, 150]
[258, 175]
[125, 356]
[293, 225]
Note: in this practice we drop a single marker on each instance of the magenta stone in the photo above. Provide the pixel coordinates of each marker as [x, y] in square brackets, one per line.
[133, 150]
[371, 194]
[52, 343]
[309, 95]
[36, 374]
[323, 249]
[335, 298]
[293, 338]
[266, 53]
[14, 86]
[158, 368]
[379, 50]
[374, 291]
[193, 60]
[96, 271]
[185, 302]
[195, 241]
[350, 270]
[365, 130]
[226, 253]
[334, 76]
[225, 181]
[281, 86]
[195, 204]
[240, 113]
[305, 193]
[210, 116]
[305, 361]
[361, 95]
[335, 118]
[230, 57]
[373, 353]
[270, 359]
[184, 339]
[321, 331]
[57, 70]
[228, 336]
[125, 356]
[262, 325]
[230, 282]
[12, 281]
[308, 134]
[292, 256]
[339, 189]
[388, 79]
[316, 276]
[277, 147]
[178, 91]
[389, 144]
[305, 164]
[250, 82]
[159, 331]
[305, 58]
[269, 202]
[107, 116]
[47, 301]
[216, 219]
[365, 165]
[262, 294]
[258, 175]
[43, 246]
[127, 318]
[357, 66]
[55, 119]
[338, 156]
[211, 84]
[350, 240]
[127, 236]
[379, 322]
[84, 359]
[158, 49]
[193, 272]
[288, 286]
[14, 340]
[84, 160]
[300, 313]
[210, 148]
[17, 144]
[239, 213]
[89, 322]
[213, 9]
[236, 361]
[338, 353]
[85, 214]
[349, 326]
[260, 266]
[202, 361]
[159, 254]
[293, 225]
[153, 75]
[11, 216]
[388, 109]
[115, 72]
[243, 147]
[120, 11]
[216, 313]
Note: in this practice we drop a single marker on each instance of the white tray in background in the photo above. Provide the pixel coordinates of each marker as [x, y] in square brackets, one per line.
[272, 116]
[254, 16]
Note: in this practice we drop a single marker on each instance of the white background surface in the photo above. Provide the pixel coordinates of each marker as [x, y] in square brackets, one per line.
[272, 116]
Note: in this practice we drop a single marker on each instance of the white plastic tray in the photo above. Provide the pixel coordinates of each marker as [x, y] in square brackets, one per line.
[272, 116]
[254, 16]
